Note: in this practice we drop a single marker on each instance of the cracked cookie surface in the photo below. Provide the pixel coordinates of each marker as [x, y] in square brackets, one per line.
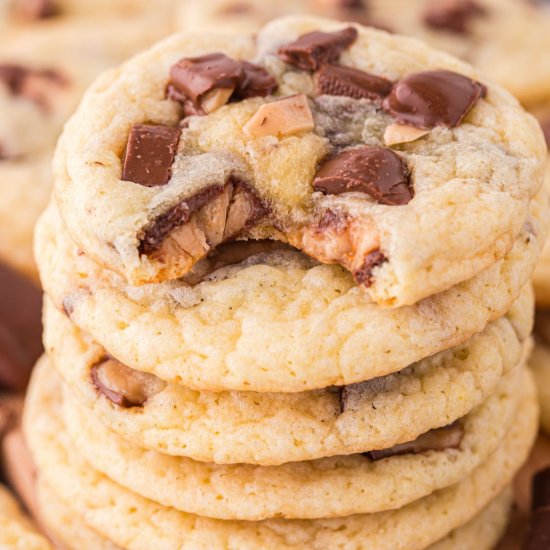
[480, 155]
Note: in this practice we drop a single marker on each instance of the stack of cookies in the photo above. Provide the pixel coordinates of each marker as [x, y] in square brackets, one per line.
[288, 300]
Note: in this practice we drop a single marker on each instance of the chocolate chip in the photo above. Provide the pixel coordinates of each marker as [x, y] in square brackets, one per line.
[379, 172]
[373, 260]
[440, 439]
[193, 79]
[122, 385]
[220, 212]
[20, 328]
[349, 82]
[433, 98]
[539, 528]
[453, 15]
[316, 48]
[255, 82]
[150, 154]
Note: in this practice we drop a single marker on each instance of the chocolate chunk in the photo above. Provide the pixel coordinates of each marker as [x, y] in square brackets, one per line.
[349, 82]
[316, 48]
[192, 80]
[433, 98]
[379, 172]
[122, 385]
[217, 213]
[439, 439]
[255, 81]
[351, 4]
[453, 15]
[194, 77]
[20, 328]
[373, 260]
[539, 528]
[150, 154]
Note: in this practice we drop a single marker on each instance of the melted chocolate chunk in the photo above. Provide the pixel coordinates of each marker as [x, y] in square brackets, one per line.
[433, 98]
[538, 537]
[379, 172]
[314, 49]
[192, 79]
[241, 209]
[351, 4]
[373, 260]
[439, 439]
[20, 328]
[349, 82]
[150, 154]
[453, 15]
[122, 385]
[255, 81]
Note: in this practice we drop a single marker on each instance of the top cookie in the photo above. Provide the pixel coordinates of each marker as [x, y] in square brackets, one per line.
[360, 148]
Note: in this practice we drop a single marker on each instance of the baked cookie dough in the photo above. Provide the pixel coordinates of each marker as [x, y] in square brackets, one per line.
[287, 326]
[272, 428]
[43, 73]
[16, 530]
[66, 527]
[132, 521]
[337, 163]
[372, 484]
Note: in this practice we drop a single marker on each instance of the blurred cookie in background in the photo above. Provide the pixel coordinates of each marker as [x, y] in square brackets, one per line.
[43, 73]
[14, 13]
[505, 39]
[248, 15]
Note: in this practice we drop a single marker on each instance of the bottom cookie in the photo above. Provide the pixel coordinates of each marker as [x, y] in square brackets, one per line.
[16, 530]
[134, 522]
[540, 365]
[481, 533]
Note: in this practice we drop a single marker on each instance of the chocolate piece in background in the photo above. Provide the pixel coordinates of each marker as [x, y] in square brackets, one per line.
[150, 154]
[316, 48]
[439, 439]
[545, 125]
[35, 9]
[350, 82]
[538, 536]
[433, 98]
[20, 328]
[38, 85]
[453, 15]
[376, 171]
